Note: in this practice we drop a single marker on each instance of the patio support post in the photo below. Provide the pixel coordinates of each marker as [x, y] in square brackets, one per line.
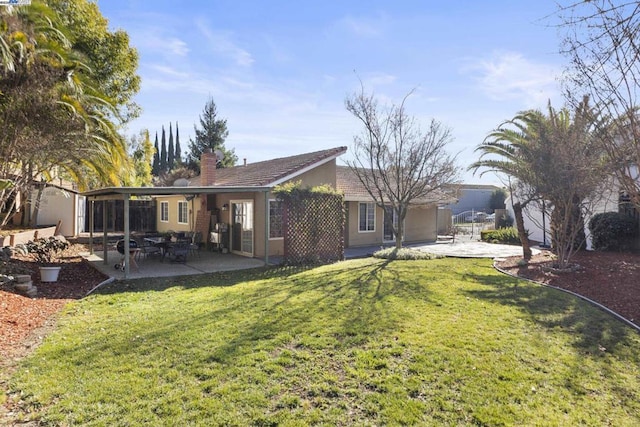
[127, 237]
[104, 233]
[266, 227]
[91, 226]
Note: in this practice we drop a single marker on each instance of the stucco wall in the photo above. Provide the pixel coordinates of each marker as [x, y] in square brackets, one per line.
[420, 226]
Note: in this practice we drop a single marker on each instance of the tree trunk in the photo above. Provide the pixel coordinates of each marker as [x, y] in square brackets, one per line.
[522, 233]
[400, 232]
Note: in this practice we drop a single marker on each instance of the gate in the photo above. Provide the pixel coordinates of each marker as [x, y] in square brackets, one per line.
[469, 224]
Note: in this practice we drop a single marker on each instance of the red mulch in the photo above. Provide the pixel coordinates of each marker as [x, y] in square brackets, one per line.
[611, 279]
[21, 317]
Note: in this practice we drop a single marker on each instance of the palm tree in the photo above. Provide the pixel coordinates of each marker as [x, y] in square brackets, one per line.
[511, 149]
[52, 115]
[553, 157]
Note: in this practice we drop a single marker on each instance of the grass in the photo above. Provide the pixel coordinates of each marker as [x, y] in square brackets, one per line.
[365, 342]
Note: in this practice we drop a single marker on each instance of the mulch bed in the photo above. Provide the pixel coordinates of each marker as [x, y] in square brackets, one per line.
[21, 317]
[611, 279]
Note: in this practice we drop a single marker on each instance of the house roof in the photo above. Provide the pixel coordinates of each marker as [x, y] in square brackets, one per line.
[355, 191]
[269, 173]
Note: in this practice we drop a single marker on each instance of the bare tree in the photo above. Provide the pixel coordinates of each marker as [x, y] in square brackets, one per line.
[396, 161]
[602, 42]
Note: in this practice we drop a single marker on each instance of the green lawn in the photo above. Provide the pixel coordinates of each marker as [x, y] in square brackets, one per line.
[365, 342]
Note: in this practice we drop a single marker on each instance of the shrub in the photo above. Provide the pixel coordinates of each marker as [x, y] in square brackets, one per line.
[507, 236]
[613, 231]
[504, 221]
[404, 254]
[45, 251]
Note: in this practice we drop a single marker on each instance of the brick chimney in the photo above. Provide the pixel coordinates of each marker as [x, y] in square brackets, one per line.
[207, 168]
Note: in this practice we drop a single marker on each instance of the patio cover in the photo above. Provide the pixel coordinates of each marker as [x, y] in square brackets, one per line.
[125, 193]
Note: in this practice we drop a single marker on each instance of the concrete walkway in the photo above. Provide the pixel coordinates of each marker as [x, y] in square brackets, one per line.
[464, 249]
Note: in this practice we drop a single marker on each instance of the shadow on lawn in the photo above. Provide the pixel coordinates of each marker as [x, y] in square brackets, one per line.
[338, 307]
[594, 329]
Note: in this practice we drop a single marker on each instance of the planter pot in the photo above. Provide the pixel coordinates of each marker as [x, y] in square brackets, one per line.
[49, 274]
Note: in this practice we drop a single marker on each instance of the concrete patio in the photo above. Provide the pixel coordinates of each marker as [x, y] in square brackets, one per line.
[151, 266]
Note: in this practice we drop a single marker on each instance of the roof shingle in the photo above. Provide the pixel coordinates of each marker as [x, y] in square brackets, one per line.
[268, 172]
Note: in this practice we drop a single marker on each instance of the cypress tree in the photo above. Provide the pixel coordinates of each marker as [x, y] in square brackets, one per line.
[170, 150]
[178, 156]
[163, 153]
[155, 167]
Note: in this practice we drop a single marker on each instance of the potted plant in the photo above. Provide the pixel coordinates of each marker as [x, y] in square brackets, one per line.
[46, 251]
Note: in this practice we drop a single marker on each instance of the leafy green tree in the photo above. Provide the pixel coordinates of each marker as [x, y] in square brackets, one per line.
[497, 198]
[53, 114]
[142, 153]
[170, 150]
[114, 61]
[163, 153]
[212, 135]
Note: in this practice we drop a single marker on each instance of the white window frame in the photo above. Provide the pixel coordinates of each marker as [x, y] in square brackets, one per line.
[183, 208]
[164, 209]
[281, 219]
[369, 205]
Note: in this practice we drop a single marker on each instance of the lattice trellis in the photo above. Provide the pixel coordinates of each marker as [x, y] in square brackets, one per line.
[314, 229]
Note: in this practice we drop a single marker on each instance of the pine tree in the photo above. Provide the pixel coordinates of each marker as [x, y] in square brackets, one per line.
[212, 135]
[155, 168]
[178, 156]
[163, 153]
[170, 150]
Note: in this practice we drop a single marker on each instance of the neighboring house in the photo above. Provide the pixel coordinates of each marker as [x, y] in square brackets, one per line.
[538, 224]
[473, 197]
[368, 224]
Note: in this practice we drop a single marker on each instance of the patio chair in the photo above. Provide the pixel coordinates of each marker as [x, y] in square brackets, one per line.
[147, 248]
[179, 251]
[194, 246]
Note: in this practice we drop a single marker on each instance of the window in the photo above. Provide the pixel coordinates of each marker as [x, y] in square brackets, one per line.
[275, 219]
[183, 213]
[367, 217]
[164, 211]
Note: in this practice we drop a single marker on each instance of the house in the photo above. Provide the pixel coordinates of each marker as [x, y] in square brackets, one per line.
[243, 201]
[368, 224]
[236, 209]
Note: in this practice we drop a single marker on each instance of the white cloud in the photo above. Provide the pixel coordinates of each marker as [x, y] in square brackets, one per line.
[222, 43]
[177, 47]
[365, 27]
[510, 76]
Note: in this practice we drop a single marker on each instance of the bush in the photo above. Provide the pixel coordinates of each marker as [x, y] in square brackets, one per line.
[505, 221]
[613, 231]
[508, 236]
[404, 254]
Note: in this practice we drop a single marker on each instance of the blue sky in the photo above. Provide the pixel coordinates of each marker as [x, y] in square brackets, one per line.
[279, 71]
